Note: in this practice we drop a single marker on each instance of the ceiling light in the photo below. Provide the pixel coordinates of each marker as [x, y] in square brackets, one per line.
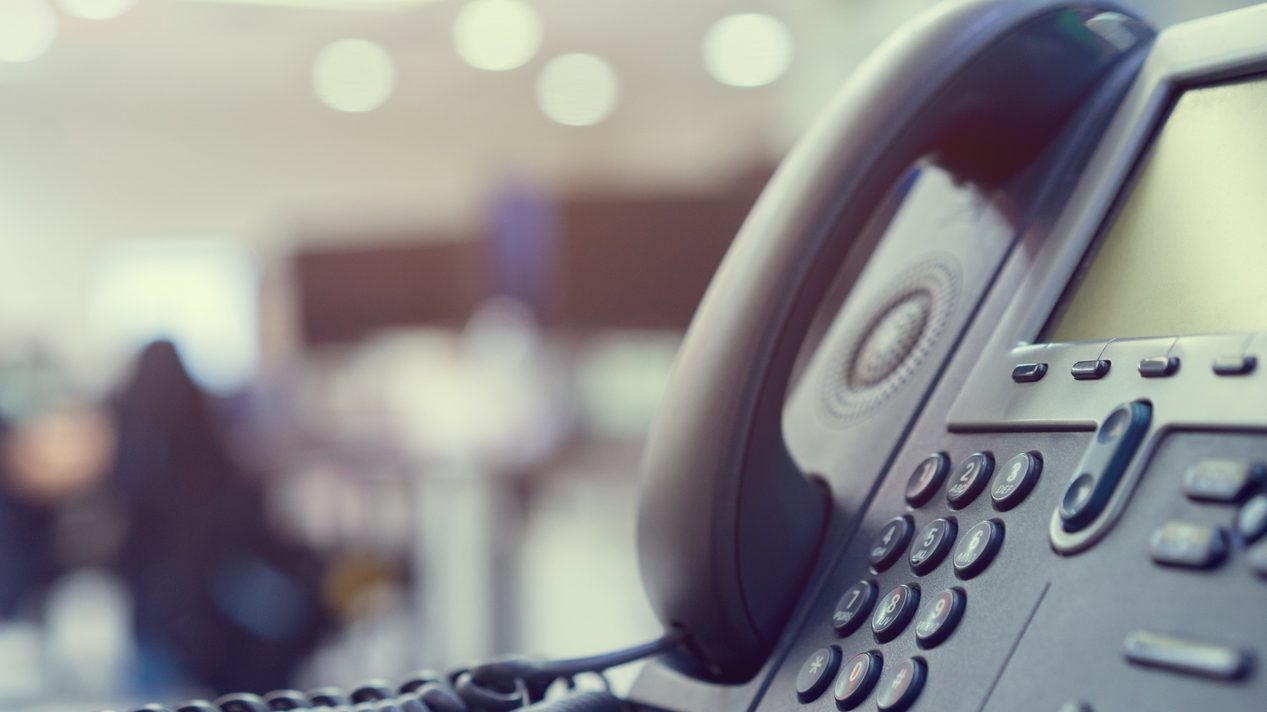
[96, 9]
[497, 35]
[353, 75]
[577, 89]
[748, 50]
[346, 5]
[27, 30]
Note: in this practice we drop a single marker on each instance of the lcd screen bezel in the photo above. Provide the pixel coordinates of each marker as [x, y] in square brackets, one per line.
[1125, 191]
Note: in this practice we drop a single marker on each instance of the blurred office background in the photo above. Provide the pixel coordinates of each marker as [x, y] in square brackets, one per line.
[330, 329]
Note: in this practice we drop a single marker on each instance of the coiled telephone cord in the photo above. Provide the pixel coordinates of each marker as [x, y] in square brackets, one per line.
[501, 685]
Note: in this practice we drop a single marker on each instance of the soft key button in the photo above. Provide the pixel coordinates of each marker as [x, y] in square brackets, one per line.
[1194, 546]
[1190, 657]
[1222, 480]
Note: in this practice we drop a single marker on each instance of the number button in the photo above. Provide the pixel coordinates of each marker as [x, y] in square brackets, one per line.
[905, 686]
[932, 545]
[941, 619]
[977, 548]
[1014, 481]
[816, 673]
[927, 479]
[894, 611]
[969, 479]
[891, 542]
[853, 607]
[856, 680]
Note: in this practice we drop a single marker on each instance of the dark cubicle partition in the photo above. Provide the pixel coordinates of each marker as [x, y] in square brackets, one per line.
[581, 263]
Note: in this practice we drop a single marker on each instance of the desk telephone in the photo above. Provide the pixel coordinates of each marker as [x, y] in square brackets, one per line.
[971, 416]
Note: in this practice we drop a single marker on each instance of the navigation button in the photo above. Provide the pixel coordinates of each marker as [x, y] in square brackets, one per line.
[816, 673]
[1188, 545]
[853, 607]
[1222, 480]
[891, 542]
[1097, 476]
[1013, 482]
[856, 680]
[894, 612]
[932, 545]
[900, 693]
[969, 479]
[1190, 657]
[1090, 370]
[941, 619]
[977, 548]
[1158, 366]
[926, 479]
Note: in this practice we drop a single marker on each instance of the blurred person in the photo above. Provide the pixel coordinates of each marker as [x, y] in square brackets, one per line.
[220, 598]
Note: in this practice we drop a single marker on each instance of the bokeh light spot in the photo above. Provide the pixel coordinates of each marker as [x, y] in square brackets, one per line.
[96, 9]
[578, 89]
[497, 35]
[353, 75]
[27, 29]
[747, 50]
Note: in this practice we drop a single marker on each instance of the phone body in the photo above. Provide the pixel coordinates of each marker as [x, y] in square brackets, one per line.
[1033, 398]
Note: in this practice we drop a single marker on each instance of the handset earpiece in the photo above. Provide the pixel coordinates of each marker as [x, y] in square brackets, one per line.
[729, 529]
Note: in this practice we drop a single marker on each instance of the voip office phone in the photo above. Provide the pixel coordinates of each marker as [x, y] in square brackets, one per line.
[971, 417]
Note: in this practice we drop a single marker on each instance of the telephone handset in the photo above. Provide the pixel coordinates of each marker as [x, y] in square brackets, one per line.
[730, 529]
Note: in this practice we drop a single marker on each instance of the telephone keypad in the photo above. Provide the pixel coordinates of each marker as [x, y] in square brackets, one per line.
[904, 687]
[969, 479]
[977, 548]
[1015, 480]
[894, 611]
[853, 607]
[926, 479]
[943, 616]
[891, 542]
[817, 672]
[856, 679]
[932, 545]
[1188, 545]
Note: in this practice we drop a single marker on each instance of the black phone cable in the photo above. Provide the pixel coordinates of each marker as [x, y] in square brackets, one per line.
[510, 683]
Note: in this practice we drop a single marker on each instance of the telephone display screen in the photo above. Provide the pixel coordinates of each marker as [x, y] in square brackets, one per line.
[1186, 251]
